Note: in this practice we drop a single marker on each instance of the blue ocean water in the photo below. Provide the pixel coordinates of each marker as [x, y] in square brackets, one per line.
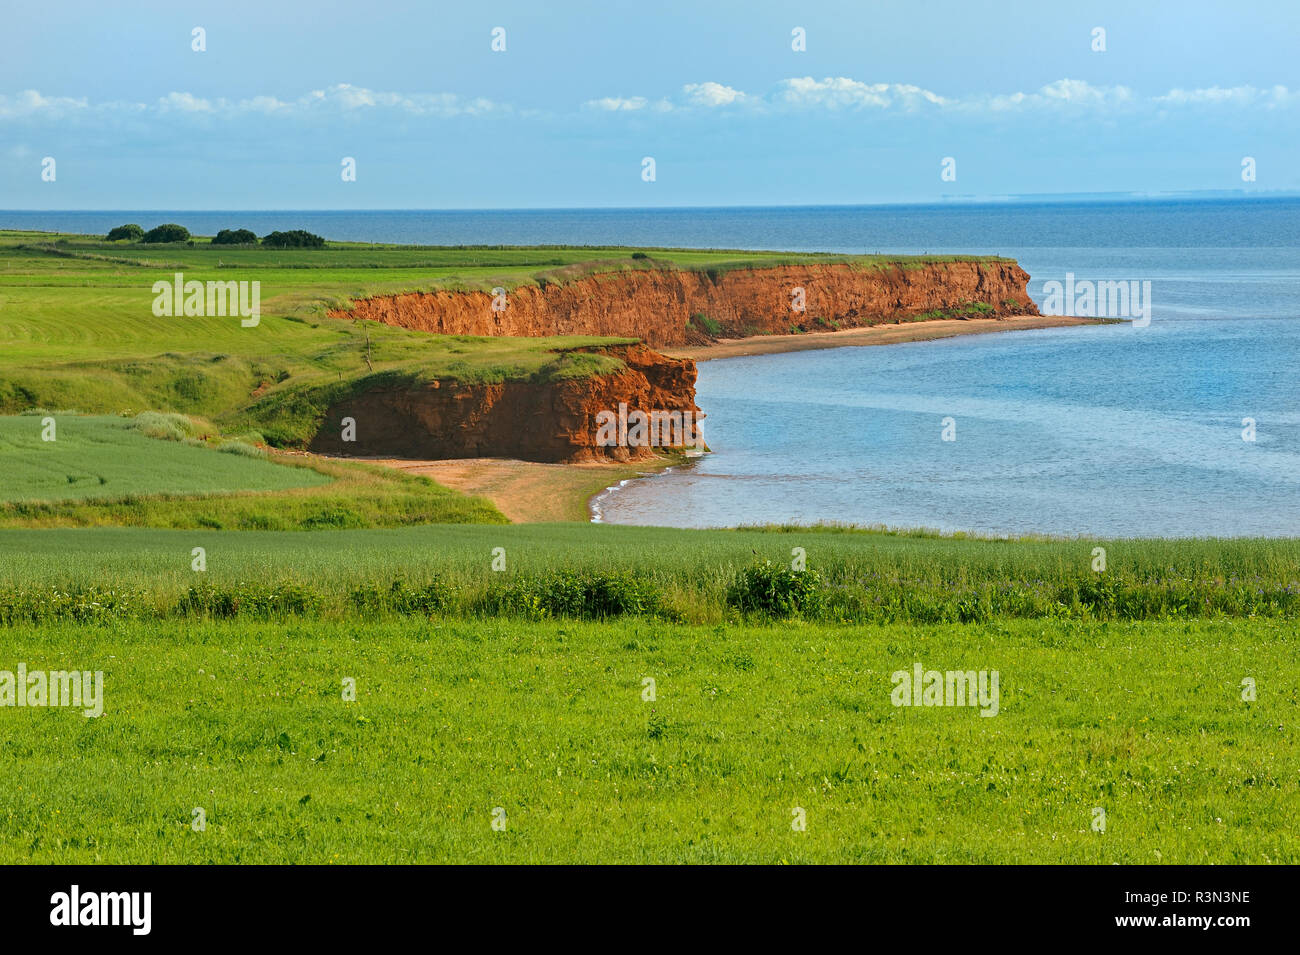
[1110, 430]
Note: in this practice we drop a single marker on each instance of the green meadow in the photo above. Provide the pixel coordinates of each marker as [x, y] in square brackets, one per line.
[546, 728]
[80, 458]
[160, 470]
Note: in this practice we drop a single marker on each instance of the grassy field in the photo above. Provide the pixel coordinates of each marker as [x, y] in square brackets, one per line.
[681, 574]
[109, 471]
[455, 723]
[86, 458]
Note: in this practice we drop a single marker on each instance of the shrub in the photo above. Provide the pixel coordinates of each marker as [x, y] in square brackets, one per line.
[294, 239]
[82, 604]
[242, 448]
[171, 427]
[334, 515]
[130, 232]
[592, 596]
[235, 237]
[639, 255]
[249, 600]
[167, 232]
[776, 591]
[372, 600]
[710, 326]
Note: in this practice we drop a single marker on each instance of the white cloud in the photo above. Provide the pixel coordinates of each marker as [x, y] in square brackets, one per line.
[266, 104]
[340, 98]
[805, 93]
[617, 104]
[184, 103]
[32, 103]
[836, 93]
[711, 94]
[1065, 92]
[1230, 96]
[840, 92]
[348, 98]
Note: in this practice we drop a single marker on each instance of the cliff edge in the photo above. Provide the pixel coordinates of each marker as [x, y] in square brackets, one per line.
[589, 418]
[649, 403]
[669, 307]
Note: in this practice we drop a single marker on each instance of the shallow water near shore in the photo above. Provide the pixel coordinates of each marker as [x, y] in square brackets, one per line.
[1103, 430]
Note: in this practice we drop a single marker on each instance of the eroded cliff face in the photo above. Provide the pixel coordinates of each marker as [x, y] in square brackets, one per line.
[562, 420]
[547, 421]
[655, 305]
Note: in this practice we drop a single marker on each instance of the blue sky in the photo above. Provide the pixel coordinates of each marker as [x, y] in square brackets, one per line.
[1013, 92]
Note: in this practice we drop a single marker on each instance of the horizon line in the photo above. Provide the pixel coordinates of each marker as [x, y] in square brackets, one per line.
[1011, 199]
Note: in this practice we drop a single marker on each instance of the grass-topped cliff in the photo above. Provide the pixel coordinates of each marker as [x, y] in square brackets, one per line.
[77, 329]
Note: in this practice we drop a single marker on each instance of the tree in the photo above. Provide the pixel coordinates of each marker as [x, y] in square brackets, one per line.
[294, 239]
[131, 232]
[167, 232]
[235, 237]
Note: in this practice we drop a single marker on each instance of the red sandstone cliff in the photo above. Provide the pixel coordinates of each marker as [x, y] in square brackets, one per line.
[550, 421]
[558, 420]
[655, 305]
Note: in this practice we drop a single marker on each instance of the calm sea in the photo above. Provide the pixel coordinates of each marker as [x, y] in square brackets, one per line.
[1111, 430]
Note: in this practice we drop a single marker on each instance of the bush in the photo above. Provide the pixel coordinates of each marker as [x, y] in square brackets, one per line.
[82, 604]
[294, 239]
[242, 448]
[235, 237]
[130, 232]
[591, 596]
[249, 600]
[776, 591]
[166, 425]
[167, 232]
[710, 326]
[371, 600]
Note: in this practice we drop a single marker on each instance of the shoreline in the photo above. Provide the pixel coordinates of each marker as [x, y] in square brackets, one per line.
[891, 334]
[531, 492]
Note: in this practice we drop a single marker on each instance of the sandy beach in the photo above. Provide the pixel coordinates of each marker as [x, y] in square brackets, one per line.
[873, 335]
[529, 492]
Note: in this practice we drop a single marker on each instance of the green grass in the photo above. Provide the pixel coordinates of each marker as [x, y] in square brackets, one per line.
[105, 457]
[77, 328]
[865, 576]
[708, 326]
[962, 311]
[106, 471]
[547, 722]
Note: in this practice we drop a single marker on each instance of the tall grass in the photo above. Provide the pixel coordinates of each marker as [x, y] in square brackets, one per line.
[692, 576]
